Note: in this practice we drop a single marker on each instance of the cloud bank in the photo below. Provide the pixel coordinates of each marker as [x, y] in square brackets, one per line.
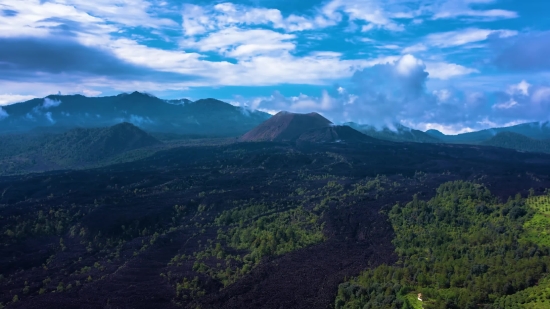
[396, 92]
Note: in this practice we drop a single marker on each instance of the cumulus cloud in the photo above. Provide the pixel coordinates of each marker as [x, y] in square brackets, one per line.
[236, 43]
[396, 92]
[522, 88]
[198, 20]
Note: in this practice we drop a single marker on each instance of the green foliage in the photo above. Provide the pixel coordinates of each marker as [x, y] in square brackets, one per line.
[189, 288]
[277, 234]
[519, 142]
[536, 297]
[245, 212]
[52, 221]
[460, 249]
[270, 235]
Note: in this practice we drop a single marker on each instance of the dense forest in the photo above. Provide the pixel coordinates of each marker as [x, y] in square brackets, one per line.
[461, 249]
[277, 225]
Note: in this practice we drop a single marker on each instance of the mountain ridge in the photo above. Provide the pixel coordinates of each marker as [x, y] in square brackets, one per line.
[206, 116]
[79, 147]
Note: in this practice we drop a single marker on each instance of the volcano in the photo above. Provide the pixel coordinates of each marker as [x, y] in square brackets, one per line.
[312, 127]
[334, 134]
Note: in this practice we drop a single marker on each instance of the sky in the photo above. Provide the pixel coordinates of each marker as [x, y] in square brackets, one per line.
[451, 65]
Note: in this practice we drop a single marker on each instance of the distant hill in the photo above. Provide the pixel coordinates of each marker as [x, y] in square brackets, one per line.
[285, 126]
[76, 148]
[535, 130]
[518, 142]
[400, 134]
[207, 117]
[303, 128]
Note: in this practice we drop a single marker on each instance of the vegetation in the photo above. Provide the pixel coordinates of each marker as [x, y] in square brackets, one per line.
[518, 142]
[267, 236]
[460, 249]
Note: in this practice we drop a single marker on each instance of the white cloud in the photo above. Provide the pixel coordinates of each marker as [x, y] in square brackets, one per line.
[521, 88]
[506, 105]
[371, 12]
[49, 117]
[443, 70]
[131, 13]
[91, 93]
[414, 49]
[198, 20]
[541, 95]
[408, 64]
[6, 99]
[234, 42]
[464, 9]
[442, 95]
[48, 103]
[36, 18]
[444, 128]
[465, 36]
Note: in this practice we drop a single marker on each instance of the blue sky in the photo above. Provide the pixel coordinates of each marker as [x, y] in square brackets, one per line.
[453, 65]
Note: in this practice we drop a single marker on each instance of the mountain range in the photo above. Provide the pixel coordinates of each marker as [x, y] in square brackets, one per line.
[518, 142]
[535, 130]
[400, 133]
[170, 119]
[204, 117]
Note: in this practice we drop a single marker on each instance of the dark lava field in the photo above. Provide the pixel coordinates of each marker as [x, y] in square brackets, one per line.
[244, 225]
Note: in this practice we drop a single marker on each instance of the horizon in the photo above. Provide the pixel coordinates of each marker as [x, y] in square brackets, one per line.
[453, 66]
[391, 127]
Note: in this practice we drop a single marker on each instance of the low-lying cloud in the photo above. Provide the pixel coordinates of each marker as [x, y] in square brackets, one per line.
[396, 92]
[50, 103]
[3, 113]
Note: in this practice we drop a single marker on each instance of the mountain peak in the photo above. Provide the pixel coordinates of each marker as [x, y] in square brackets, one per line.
[286, 126]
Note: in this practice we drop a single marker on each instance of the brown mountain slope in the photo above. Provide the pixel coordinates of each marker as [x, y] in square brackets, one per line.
[334, 134]
[285, 126]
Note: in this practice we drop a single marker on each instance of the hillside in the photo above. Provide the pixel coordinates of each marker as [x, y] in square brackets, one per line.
[400, 134]
[534, 130]
[285, 126]
[207, 117]
[334, 134]
[75, 148]
[279, 225]
[518, 142]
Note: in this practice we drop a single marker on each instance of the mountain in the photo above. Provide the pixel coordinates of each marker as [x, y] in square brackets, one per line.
[400, 134]
[202, 117]
[518, 142]
[535, 130]
[334, 134]
[75, 148]
[285, 126]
